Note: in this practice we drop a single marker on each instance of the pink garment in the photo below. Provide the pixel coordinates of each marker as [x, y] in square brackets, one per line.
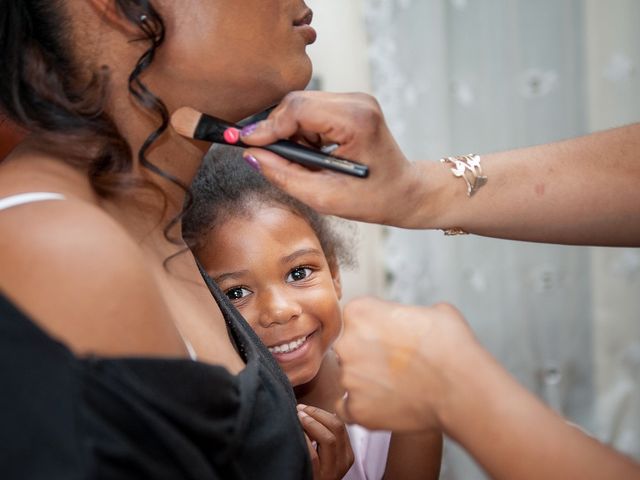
[370, 449]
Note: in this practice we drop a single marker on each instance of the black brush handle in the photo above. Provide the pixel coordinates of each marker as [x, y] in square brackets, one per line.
[312, 158]
[212, 129]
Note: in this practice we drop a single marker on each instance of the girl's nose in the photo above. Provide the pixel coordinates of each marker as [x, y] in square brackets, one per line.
[279, 308]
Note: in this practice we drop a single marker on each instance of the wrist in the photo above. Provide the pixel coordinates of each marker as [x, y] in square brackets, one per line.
[429, 194]
[465, 377]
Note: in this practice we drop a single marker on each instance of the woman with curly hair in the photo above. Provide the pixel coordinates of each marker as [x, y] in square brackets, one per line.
[116, 359]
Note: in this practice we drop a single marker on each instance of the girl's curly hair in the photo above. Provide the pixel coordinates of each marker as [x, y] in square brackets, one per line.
[226, 187]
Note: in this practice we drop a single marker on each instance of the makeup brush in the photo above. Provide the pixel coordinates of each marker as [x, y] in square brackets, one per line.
[200, 126]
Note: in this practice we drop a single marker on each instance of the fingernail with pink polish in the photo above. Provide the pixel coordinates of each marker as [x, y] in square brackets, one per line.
[249, 129]
[253, 162]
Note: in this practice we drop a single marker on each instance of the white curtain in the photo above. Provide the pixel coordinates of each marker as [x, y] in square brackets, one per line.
[475, 76]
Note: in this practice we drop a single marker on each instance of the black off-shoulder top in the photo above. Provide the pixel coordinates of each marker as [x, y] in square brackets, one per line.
[64, 417]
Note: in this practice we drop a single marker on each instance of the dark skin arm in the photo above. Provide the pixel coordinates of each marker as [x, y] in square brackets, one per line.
[414, 456]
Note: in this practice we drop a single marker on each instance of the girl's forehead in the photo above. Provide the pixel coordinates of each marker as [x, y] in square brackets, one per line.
[270, 236]
[266, 224]
[274, 217]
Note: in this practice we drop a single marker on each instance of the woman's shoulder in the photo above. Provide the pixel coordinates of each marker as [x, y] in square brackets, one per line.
[75, 271]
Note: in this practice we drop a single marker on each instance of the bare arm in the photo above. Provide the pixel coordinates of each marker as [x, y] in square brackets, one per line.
[73, 271]
[581, 191]
[414, 456]
[513, 435]
[424, 368]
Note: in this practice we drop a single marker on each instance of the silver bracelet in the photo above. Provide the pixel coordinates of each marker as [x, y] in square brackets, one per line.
[469, 168]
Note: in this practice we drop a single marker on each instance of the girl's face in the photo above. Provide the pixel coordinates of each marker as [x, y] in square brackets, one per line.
[273, 269]
[233, 58]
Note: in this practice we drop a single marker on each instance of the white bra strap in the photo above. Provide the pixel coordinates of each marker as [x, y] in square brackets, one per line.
[23, 198]
[187, 344]
[192, 351]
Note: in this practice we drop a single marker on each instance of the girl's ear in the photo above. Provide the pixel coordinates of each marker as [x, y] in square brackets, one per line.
[108, 11]
[337, 281]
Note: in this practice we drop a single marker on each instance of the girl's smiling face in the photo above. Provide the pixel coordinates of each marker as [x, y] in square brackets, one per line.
[272, 267]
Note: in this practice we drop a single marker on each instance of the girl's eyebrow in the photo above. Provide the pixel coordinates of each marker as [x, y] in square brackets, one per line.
[231, 276]
[299, 253]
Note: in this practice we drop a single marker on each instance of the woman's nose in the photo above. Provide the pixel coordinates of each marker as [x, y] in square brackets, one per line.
[279, 308]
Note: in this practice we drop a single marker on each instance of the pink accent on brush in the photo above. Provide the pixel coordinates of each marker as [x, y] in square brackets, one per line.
[232, 136]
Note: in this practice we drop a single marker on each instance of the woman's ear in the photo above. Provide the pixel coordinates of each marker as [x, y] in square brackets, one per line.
[108, 11]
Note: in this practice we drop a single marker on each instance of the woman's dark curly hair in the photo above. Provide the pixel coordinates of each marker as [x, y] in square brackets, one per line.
[225, 187]
[44, 91]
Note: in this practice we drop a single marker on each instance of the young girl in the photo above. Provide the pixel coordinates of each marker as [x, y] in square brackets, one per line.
[277, 260]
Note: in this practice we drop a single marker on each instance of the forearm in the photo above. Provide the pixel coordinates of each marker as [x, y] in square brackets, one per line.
[414, 456]
[581, 191]
[513, 435]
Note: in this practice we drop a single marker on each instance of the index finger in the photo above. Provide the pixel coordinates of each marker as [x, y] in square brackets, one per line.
[329, 420]
[331, 116]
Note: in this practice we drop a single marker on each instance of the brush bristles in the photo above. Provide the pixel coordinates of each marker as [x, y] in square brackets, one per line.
[185, 121]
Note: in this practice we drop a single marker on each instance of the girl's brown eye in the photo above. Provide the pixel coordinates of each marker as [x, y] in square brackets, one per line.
[236, 293]
[298, 274]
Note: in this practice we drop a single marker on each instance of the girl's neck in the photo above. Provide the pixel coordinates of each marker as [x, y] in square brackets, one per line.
[324, 390]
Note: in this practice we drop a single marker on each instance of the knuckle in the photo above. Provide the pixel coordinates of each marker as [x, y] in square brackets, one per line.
[374, 104]
[311, 410]
[336, 425]
[366, 99]
[368, 113]
[279, 124]
[280, 178]
[445, 308]
[330, 441]
[294, 100]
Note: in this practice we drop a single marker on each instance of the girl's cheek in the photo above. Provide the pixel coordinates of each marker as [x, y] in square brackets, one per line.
[251, 316]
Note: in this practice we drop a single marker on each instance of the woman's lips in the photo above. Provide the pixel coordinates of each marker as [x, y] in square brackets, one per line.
[308, 33]
[305, 19]
[304, 28]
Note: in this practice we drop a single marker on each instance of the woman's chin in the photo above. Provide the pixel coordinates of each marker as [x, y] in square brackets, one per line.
[306, 74]
[296, 79]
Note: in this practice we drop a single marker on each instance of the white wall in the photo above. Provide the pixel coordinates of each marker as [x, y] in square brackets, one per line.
[340, 53]
[341, 64]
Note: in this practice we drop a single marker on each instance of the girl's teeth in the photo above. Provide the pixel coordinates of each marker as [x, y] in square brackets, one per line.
[288, 347]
